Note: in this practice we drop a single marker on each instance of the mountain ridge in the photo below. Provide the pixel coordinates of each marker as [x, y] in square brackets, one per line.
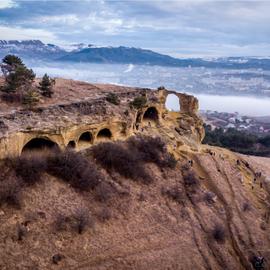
[80, 52]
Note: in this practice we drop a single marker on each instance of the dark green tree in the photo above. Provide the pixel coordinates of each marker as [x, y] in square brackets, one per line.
[9, 64]
[18, 78]
[46, 86]
[138, 102]
[113, 98]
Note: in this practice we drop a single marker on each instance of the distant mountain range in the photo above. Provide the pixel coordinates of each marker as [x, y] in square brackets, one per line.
[37, 50]
[30, 49]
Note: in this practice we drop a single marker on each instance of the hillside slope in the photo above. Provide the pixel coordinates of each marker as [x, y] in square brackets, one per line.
[139, 192]
[221, 222]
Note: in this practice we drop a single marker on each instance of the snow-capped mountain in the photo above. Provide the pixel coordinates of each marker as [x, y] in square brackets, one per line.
[36, 50]
[30, 49]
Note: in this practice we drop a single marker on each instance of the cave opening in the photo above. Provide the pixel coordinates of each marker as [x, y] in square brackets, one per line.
[104, 133]
[71, 144]
[86, 137]
[38, 144]
[151, 114]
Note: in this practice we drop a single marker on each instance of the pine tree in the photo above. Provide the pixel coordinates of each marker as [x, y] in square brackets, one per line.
[31, 98]
[46, 86]
[18, 78]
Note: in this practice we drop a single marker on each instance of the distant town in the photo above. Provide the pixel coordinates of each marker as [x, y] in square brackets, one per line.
[254, 125]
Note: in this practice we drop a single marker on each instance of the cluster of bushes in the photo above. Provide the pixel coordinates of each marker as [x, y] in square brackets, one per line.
[113, 98]
[128, 160]
[152, 149]
[78, 222]
[19, 81]
[238, 141]
[138, 102]
[75, 169]
[67, 165]
[115, 157]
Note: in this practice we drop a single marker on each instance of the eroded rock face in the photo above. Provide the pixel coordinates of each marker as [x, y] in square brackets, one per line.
[65, 123]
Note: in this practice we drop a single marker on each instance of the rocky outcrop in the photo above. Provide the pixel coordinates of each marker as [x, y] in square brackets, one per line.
[64, 124]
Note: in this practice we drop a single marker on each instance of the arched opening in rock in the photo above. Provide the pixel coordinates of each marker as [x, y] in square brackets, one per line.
[151, 114]
[71, 144]
[104, 133]
[86, 137]
[85, 140]
[38, 144]
[172, 103]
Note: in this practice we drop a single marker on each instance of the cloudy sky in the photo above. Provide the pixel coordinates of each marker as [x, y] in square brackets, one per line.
[179, 28]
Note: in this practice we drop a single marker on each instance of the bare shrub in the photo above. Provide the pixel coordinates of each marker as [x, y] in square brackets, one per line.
[78, 221]
[219, 233]
[191, 181]
[174, 193]
[21, 232]
[30, 167]
[82, 220]
[113, 156]
[60, 223]
[104, 214]
[73, 168]
[151, 149]
[209, 197]
[10, 192]
[246, 206]
[103, 192]
[148, 147]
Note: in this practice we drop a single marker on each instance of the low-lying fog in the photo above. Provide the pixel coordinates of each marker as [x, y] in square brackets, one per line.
[250, 106]
[214, 88]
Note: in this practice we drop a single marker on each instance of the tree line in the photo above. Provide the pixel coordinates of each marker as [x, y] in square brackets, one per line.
[238, 141]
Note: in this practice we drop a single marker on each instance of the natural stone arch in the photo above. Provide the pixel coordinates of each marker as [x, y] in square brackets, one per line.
[151, 114]
[85, 139]
[38, 144]
[104, 134]
[71, 144]
[172, 103]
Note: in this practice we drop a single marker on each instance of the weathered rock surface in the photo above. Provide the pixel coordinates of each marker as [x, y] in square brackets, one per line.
[64, 120]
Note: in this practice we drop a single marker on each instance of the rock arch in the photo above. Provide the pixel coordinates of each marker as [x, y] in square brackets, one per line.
[104, 133]
[151, 114]
[172, 103]
[39, 143]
